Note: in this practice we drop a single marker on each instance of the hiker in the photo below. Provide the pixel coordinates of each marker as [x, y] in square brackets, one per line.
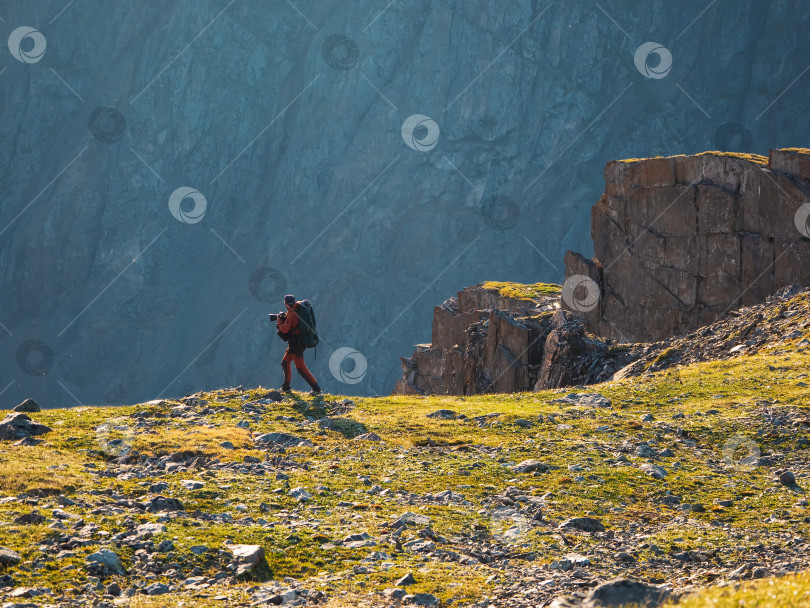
[298, 336]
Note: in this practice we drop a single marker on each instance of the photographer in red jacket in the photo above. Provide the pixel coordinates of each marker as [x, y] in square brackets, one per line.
[288, 329]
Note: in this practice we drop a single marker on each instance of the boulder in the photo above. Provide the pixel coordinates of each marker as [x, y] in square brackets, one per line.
[18, 426]
[246, 557]
[29, 406]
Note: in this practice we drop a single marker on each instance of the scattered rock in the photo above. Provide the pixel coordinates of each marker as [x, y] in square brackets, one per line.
[27, 519]
[157, 589]
[585, 524]
[584, 400]
[191, 484]
[300, 494]
[443, 415]
[283, 439]
[623, 592]
[421, 599]
[408, 579]
[108, 560]
[29, 406]
[368, 437]
[345, 426]
[394, 594]
[246, 557]
[529, 466]
[163, 503]
[18, 426]
[787, 478]
[653, 470]
[9, 557]
[149, 529]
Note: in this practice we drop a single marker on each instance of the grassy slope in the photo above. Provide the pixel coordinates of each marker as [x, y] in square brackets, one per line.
[619, 496]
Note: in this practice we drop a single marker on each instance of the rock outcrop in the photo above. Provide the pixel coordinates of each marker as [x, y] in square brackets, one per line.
[680, 241]
[487, 342]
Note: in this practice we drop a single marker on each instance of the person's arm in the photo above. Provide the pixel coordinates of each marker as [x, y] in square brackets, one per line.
[289, 323]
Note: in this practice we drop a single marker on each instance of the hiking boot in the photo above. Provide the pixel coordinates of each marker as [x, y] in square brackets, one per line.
[285, 388]
[314, 392]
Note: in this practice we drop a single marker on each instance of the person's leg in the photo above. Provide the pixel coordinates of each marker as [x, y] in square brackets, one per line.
[285, 364]
[302, 369]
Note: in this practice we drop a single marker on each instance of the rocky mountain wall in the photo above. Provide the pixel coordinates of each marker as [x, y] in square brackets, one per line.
[680, 241]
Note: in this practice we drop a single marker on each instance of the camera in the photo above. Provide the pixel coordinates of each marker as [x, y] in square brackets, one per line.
[281, 315]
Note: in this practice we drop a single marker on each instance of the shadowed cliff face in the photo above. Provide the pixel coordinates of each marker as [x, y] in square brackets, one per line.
[287, 119]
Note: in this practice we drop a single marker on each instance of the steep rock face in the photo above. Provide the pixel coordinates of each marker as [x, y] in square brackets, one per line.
[680, 241]
[296, 144]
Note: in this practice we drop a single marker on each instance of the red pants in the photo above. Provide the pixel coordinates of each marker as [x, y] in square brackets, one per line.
[300, 366]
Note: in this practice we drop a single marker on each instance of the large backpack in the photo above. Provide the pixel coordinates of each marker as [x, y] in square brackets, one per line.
[306, 323]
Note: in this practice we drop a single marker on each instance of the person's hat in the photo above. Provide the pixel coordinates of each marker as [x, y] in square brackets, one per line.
[289, 299]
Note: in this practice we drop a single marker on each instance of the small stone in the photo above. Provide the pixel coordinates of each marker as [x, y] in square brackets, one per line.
[283, 439]
[9, 557]
[227, 445]
[393, 593]
[157, 589]
[529, 466]
[108, 559]
[300, 494]
[114, 590]
[421, 599]
[408, 579]
[647, 418]
[787, 478]
[191, 484]
[585, 524]
[760, 572]
[162, 503]
[149, 529]
[653, 470]
[246, 557]
[625, 557]
[368, 437]
[443, 415]
[698, 508]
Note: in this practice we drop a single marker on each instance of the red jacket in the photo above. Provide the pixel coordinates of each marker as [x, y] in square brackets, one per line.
[290, 324]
